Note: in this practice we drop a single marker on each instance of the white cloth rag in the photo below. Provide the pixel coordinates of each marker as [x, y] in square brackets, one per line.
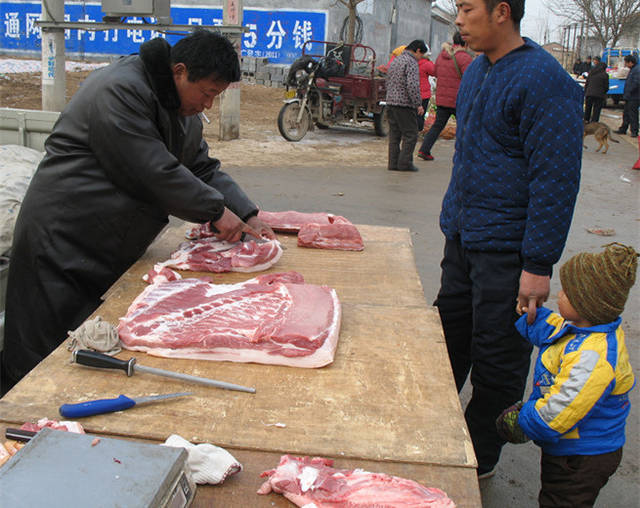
[97, 335]
[208, 463]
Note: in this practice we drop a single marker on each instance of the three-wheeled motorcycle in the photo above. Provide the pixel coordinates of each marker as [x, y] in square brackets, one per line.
[337, 87]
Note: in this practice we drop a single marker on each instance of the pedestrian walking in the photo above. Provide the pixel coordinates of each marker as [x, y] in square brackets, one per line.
[631, 97]
[451, 64]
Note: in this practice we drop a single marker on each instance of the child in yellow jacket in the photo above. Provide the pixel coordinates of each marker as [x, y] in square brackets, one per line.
[582, 378]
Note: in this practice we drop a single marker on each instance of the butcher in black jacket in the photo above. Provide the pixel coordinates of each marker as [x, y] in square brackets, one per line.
[126, 153]
[595, 91]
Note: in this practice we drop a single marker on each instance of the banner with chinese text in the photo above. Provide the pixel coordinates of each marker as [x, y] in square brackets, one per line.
[274, 34]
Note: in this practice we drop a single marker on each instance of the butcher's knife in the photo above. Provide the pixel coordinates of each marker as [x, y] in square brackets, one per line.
[100, 406]
[100, 360]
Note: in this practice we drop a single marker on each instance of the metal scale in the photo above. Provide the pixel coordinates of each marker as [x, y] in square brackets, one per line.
[63, 469]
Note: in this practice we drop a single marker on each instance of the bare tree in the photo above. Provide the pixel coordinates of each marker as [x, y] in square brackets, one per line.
[352, 5]
[608, 20]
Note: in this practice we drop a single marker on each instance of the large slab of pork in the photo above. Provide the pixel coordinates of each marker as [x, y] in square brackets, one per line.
[272, 319]
[314, 482]
[291, 221]
[213, 255]
[330, 236]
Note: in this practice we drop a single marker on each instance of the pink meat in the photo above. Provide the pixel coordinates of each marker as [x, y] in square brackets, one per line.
[212, 255]
[330, 236]
[313, 482]
[160, 273]
[67, 426]
[272, 319]
[200, 231]
[291, 222]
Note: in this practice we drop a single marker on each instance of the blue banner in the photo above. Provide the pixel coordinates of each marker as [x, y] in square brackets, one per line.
[274, 34]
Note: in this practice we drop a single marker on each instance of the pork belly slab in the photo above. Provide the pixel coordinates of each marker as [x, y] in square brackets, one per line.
[310, 482]
[272, 319]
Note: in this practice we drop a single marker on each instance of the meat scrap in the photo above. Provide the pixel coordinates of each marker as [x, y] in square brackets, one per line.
[160, 273]
[291, 221]
[271, 319]
[213, 255]
[54, 424]
[330, 236]
[314, 482]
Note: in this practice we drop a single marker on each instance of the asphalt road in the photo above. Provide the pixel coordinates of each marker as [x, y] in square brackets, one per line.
[609, 198]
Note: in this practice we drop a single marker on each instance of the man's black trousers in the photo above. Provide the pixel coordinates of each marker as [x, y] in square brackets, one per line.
[477, 303]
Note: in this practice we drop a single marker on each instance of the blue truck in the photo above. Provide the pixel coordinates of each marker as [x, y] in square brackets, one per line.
[614, 59]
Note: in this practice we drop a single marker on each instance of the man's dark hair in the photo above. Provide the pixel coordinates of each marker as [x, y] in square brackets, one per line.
[597, 59]
[416, 45]
[207, 54]
[457, 39]
[517, 8]
[631, 58]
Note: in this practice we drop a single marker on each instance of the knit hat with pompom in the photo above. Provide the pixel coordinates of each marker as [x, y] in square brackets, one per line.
[597, 285]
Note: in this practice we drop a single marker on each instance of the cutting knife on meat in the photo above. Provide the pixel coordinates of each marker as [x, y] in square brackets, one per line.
[126, 152]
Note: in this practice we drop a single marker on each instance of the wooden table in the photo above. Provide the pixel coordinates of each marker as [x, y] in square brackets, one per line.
[387, 403]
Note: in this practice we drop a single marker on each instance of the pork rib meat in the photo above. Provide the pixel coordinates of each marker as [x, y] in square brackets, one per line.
[213, 255]
[291, 221]
[314, 482]
[272, 319]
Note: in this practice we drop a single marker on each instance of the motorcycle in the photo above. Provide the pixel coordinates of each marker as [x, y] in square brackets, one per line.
[337, 88]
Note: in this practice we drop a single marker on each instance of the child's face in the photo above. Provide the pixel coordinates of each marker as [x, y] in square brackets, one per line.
[566, 309]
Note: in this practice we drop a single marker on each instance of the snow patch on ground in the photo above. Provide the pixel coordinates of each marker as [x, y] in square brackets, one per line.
[15, 65]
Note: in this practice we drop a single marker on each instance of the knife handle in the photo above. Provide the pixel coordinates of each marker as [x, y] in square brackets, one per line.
[102, 361]
[96, 407]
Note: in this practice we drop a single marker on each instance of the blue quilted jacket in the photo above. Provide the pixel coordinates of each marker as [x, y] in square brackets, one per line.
[516, 168]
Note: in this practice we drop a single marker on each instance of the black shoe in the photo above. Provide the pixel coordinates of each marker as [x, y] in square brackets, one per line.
[410, 168]
[633, 134]
[620, 131]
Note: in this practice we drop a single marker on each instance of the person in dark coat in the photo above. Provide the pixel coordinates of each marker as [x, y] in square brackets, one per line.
[451, 63]
[595, 91]
[631, 97]
[126, 152]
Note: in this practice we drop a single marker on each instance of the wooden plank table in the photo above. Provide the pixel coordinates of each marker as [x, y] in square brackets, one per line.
[387, 403]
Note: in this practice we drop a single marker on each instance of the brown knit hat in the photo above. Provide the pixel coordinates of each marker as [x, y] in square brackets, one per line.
[597, 285]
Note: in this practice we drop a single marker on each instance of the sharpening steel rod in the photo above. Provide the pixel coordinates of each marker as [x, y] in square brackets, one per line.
[102, 361]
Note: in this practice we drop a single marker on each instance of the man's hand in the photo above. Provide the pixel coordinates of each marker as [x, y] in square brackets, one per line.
[420, 110]
[534, 291]
[230, 227]
[261, 227]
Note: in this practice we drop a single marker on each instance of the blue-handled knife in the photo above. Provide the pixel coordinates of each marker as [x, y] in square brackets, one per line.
[96, 407]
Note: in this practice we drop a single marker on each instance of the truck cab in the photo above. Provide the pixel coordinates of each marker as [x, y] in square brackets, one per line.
[614, 59]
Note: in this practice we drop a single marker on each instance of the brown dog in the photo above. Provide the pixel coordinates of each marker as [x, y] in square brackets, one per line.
[601, 132]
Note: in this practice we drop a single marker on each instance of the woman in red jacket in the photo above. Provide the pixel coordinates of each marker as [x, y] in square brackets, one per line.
[450, 66]
[427, 68]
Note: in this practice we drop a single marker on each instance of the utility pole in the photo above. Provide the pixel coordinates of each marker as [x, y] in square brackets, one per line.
[232, 14]
[53, 68]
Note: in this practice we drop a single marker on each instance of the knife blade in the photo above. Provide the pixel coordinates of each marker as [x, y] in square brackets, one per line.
[100, 406]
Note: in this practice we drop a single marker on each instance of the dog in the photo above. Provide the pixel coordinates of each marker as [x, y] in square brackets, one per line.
[601, 132]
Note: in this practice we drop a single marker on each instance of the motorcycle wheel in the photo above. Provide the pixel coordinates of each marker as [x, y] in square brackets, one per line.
[381, 123]
[288, 126]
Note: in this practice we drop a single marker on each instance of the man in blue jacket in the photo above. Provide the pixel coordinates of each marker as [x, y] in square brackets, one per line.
[507, 211]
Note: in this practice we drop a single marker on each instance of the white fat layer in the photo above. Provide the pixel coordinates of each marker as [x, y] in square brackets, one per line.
[307, 478]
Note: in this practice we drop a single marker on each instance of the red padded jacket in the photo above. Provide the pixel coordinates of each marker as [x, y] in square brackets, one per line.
[448, 79]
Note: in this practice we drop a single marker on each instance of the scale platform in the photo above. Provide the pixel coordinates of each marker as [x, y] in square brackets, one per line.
[61, 469]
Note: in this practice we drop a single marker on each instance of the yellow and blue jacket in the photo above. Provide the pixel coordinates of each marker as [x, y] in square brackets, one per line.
[581, 386]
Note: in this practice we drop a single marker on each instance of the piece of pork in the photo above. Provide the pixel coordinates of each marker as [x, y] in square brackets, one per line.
[313, 482]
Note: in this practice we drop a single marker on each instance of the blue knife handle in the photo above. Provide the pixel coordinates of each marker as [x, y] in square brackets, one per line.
[96, 407]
